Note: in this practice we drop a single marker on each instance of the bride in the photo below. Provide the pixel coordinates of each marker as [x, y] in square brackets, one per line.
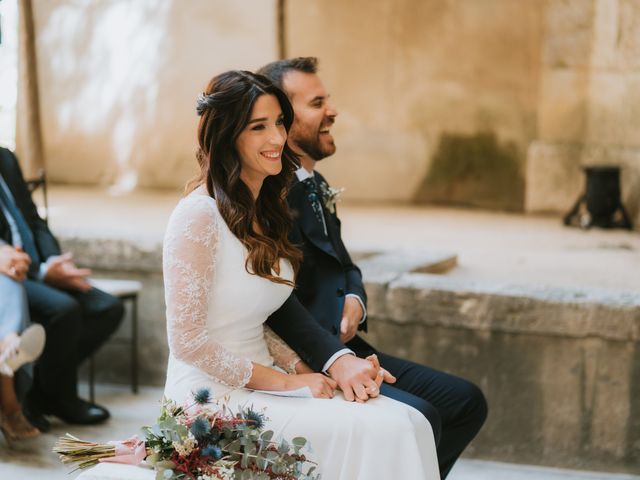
[228, 265]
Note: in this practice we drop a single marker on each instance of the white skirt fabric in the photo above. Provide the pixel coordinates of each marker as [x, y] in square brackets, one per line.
[380, 439]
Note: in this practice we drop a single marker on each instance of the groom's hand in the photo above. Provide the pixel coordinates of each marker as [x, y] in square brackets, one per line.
[356, 378]
[383, 375]
[351, 316]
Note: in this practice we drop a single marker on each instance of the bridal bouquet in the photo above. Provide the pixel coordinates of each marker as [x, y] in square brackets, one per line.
[203, 440]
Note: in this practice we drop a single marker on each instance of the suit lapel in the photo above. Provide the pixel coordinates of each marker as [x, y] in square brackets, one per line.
[309, 224]
[5, 231]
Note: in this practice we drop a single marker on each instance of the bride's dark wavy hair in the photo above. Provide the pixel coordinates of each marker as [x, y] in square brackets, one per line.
[225, 110]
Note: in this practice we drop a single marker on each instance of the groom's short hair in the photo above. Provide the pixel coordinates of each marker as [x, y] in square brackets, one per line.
[275, 71]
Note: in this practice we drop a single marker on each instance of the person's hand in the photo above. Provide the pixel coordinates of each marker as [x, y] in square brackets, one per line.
[351, 315]
[63, 273]
[383, 375]
[321, 386]
[14, 262]
[356, 378]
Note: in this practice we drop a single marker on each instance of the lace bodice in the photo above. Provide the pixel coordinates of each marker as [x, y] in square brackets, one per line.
[215, 308]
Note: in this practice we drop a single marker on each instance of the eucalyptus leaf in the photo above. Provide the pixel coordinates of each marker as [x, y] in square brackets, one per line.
[271, 455]
[168, 423]
[284, 447]
[299, 442]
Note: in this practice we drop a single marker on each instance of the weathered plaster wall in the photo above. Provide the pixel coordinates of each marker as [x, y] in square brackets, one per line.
[589, 111]
[119, 80]
[416, 82]
[495, 104]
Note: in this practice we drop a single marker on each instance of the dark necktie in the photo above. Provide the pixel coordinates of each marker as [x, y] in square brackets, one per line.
[28, 244]
[313, 194]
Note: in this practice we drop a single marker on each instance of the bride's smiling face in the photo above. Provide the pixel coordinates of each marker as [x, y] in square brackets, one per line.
[260, 144]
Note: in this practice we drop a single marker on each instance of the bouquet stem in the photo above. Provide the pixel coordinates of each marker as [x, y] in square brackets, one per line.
[72, 450]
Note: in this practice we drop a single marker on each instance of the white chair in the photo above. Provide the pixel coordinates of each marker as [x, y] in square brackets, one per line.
[125, 290]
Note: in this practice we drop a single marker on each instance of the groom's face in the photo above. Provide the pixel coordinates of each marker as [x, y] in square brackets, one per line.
[314, 115]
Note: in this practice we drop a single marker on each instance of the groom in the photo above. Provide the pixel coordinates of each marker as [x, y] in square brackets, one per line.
[330, 285]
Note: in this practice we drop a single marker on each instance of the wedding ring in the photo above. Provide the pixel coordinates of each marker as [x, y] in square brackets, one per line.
[12, 270]
[381, 373]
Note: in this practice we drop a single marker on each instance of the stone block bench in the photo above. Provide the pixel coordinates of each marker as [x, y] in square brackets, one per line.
[560, 367]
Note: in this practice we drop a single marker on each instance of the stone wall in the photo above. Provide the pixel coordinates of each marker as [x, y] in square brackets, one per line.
[119, 82]
[437, 100]
[589, 110]
[560, 367]
[494, 104]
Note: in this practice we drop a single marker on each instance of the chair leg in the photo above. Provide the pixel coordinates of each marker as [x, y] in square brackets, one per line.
[92, 393]
[134, 344]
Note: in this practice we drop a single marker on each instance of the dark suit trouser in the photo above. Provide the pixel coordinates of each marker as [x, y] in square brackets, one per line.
[76, 323]
[455, 408]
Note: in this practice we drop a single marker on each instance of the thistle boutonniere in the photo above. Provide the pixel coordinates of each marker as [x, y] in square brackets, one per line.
[330, 196]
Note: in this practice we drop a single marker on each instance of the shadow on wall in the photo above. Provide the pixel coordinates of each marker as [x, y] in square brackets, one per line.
[631, 194]
[474, 170]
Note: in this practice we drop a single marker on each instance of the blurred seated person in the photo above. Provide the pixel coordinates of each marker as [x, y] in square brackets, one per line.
[15, 350]
[77, 318]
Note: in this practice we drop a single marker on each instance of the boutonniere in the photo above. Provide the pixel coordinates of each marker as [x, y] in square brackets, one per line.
[330, 196]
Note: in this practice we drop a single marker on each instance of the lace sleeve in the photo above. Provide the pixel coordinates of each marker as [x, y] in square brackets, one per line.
[283, 356]
[189, 255]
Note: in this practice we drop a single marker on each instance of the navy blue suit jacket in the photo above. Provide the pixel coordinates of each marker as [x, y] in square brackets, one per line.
[327, 273]
[46, 243]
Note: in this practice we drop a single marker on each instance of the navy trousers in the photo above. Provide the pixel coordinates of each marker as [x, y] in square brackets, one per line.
[455, 408]
[76, 323]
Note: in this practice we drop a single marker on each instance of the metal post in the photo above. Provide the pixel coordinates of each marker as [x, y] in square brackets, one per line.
[92, 393]
[134, 343]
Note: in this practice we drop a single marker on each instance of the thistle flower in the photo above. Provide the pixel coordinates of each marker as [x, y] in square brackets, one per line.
[200, 428]
[212, 451]
[202, 396]
[256, 419]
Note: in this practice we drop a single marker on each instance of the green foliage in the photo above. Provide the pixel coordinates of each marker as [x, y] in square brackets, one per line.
[209, 443]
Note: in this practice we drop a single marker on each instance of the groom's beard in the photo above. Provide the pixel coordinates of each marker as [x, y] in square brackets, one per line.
[315, 150]
[311, 143]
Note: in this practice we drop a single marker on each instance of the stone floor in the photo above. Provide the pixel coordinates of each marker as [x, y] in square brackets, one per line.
[33, 460]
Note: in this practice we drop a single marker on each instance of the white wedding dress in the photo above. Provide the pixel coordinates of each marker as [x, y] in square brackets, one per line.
[215, 316]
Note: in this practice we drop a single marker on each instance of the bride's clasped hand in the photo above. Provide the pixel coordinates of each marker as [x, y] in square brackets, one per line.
[358, 382]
